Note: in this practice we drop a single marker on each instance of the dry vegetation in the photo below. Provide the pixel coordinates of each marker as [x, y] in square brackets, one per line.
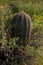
[10, 52]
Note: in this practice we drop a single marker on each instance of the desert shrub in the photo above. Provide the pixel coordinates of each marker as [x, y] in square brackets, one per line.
[37, 37]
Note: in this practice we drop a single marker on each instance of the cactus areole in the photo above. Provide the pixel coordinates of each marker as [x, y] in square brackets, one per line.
[21, 27]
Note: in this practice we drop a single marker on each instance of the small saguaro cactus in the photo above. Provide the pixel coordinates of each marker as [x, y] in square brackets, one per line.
[20, 27]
